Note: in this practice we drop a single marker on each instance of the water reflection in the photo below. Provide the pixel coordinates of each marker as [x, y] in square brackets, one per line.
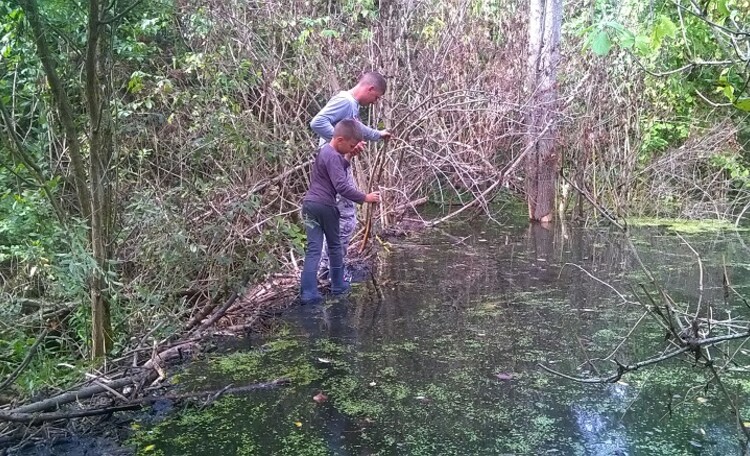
[601, 436]
[446, 362]
[601, 433]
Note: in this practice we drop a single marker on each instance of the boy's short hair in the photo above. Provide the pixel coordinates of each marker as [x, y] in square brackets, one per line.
[348, 129]
[375, 79]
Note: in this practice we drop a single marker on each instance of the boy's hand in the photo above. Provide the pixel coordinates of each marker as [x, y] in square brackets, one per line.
[385, 134]
[373, 197]
[359, 148]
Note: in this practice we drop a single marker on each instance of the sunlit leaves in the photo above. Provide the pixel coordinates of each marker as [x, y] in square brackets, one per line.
[664, 28]
[743, 104]
[8, 27]
[604, 35]
[674, 44]
[722, 10]
[135, 84]
[726, 84]
[601, 43]
[628, 40]
[642, 44]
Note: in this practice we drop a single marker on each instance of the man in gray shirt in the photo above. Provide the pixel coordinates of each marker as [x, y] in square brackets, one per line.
[345, 105]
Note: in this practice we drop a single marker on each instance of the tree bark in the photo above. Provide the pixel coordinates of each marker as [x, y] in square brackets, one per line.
[100, 137]
[64, 108]
[545, 20]
[94, 189]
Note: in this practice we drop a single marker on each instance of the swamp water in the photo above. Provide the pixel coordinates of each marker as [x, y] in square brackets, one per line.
[447, 362]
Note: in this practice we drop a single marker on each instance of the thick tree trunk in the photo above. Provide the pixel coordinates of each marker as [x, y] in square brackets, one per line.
[545, 20]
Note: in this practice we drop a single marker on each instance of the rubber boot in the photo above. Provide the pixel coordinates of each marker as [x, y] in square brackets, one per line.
[309, 293]
[339, 286]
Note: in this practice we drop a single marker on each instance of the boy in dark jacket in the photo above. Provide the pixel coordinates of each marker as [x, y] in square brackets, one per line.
[330, 178]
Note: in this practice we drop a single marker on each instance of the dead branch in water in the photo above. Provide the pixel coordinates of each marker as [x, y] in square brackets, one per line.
[686, 332]
[148, 373]
[35, 418]
[623, 368]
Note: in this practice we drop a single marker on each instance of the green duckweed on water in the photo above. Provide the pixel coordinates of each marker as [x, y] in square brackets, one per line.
[448, 363]
[685, 226]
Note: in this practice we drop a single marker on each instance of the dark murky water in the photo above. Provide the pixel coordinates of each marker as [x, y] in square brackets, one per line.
[447, 363]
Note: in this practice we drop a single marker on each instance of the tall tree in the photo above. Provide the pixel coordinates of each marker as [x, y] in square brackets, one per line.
[545, 20]
[91, 173]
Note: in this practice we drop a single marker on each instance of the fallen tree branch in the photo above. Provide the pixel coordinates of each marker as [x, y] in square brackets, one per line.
[147, 376]
[83, 393]
[223, 309]
[203, 313]
[171, 353]
[617, 292]
[31, 418]
[410, 205]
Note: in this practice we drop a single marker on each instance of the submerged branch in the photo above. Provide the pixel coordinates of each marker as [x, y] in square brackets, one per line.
[735, 408]
[623, 368]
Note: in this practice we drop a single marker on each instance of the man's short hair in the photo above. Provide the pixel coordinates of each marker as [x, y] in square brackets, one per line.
[374, 79]
[348, 129]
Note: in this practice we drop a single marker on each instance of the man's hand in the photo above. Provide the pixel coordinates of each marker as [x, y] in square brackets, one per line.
[385, 134]
[373, 197]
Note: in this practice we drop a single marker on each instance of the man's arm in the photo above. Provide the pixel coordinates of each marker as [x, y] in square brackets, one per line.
[337, 108]
[370, 134]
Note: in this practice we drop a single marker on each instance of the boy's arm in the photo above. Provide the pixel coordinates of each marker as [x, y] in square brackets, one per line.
[336, 109]
[340, 180]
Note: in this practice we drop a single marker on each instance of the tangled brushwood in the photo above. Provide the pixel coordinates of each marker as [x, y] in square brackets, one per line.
[210, 103]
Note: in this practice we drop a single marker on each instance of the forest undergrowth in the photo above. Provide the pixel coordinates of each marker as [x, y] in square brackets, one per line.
[211, 103]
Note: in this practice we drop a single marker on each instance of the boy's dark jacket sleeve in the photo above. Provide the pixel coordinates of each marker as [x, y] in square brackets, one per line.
[337, 172]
